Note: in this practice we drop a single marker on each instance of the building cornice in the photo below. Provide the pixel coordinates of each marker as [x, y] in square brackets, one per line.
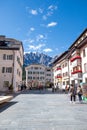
[7, 48]
[74, 44]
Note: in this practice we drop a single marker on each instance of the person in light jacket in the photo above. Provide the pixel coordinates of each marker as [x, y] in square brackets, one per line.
[79, 93]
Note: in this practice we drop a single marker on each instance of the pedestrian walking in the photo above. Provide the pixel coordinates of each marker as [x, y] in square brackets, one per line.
[79, 93]
[55, 88]
[52, 88]
[66, 89]
[72, 92]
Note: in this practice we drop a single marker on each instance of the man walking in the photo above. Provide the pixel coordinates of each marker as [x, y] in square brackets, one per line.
[72, 92]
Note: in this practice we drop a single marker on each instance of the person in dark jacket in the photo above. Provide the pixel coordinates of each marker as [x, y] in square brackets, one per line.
[72, 92]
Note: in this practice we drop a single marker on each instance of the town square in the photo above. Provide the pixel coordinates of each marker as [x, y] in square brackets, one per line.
[43, 65]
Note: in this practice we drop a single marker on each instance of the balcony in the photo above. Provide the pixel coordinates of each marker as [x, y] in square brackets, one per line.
[76, 63]
[58, 68]
[77, 75]
[58, 76]
[76, 71]
[75, 58]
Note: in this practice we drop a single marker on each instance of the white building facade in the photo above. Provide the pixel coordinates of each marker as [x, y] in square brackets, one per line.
[83, 53]
[61, 71]
[73, 63]
[11, 63]
[38, 75]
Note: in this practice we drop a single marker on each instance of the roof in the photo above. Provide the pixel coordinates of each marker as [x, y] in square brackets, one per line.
[78, 38]
[35, 64]
[10, 43]
[61, 56]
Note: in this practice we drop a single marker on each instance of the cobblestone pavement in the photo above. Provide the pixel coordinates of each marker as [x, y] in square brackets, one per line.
[34, 110]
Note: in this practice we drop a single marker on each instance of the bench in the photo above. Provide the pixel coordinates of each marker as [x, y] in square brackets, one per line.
[4, 99]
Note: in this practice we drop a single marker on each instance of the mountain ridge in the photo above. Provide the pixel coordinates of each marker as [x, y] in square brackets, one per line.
[37, 58]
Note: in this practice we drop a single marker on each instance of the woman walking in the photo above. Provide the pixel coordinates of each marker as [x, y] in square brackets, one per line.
[79, 92]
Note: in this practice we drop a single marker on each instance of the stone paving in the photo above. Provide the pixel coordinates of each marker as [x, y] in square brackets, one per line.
[34, 110]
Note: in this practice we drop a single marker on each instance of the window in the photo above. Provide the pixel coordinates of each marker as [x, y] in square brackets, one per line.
[37, 77]
[37, 72]
[36, 68]
[65, 64]
[3, 69]
[48, 70]
[4, 56]
[64, 83]
[48, 74]
[66, 73]
[6, 84]
[29, 72]
[41, 72]
[34, 72]
[17, 71]
[29, 77]
[9, 57]
[76, 68]
[41, 78]
[9, 70]
[84, 54]
[67, 82]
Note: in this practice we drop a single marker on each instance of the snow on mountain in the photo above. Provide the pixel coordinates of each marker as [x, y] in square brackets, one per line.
[37, 58]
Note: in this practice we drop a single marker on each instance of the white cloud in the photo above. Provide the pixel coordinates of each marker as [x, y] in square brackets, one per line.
[52, 24]
[28, 41]
[31, 41]
[50, 11]
[33, 12]
[35, 48]
[40, 10]
[32, 47]
[45, 17]
[39, 37]
[32, 29]
[47, 50]
[52, 7]
[26, 52]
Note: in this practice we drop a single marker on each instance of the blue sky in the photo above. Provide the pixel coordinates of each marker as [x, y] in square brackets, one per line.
[47, 26]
